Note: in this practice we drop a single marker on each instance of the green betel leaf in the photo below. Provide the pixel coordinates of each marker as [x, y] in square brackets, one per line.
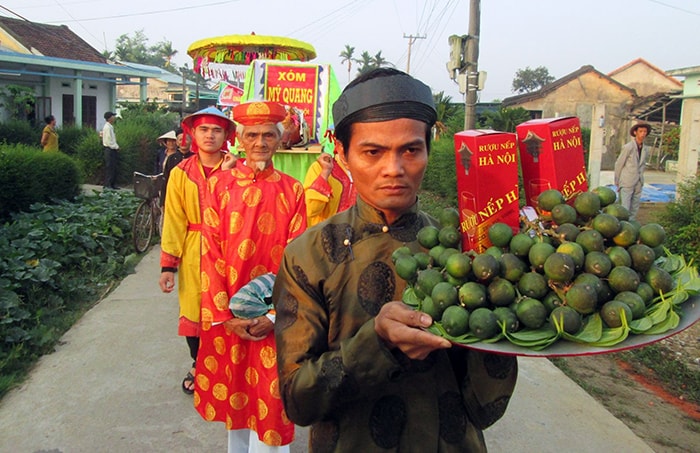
[658, 311]
[495, 339]
[672, 263]
[641, 325]
[591, 332]
[679, 297]
[533, 338]
[616, 335]
[671, 322]
[611, 337]
[436, 329]
[545, 344]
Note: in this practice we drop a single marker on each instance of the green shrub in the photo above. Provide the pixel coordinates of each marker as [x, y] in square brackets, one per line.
[671, 140]
[586, 141]
[681, 220]
[18, 131]
[137, 133]
[28, 176]
[441, 175]
[88, 153]
[70, 136]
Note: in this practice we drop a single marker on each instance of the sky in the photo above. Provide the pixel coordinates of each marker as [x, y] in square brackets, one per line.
[561, 35]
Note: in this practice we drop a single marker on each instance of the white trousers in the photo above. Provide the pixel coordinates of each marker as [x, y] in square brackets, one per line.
[246, 441]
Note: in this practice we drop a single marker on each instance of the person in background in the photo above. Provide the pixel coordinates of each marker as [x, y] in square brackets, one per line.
[184, 143]
[171, 158]
[169, 143]
[629, 169]
[49, 136]
[354, 361]
[182, 221]
[254, 212]
[111, 151]
[328, 188]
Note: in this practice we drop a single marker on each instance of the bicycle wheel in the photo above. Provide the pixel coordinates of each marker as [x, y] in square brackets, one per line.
[158, 217]
[143, 226]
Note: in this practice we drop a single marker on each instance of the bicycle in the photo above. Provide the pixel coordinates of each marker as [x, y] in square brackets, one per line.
[149, 214]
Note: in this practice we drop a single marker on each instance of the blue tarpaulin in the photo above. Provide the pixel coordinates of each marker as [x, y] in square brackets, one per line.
[655, 193]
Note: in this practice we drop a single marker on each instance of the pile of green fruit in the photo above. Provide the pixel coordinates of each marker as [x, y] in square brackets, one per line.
[580, 271]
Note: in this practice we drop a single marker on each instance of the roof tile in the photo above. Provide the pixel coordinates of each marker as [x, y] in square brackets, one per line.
[50, 40]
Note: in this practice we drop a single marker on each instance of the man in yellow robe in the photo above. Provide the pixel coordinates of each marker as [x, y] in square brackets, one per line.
[210, 129]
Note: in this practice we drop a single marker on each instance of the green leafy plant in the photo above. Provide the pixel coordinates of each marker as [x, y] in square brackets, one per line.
[55, 261]
[670, 141]
[681, 220]
[505, 119]
[18, 100]
[441, 176]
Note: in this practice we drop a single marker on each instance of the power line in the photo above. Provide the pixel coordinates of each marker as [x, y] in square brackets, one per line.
[80, 24]
[147, 13]
[675, 7]
[12, 12]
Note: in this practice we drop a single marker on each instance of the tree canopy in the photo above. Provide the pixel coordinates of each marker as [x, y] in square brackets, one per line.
[365, 63]
[528, 80]
[135, 48]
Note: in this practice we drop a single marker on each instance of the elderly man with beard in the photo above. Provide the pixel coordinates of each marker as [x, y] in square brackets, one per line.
[253, 212]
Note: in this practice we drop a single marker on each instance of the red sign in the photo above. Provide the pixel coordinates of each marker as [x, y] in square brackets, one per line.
[295, 86]
[229, 95]
[551, 156]
[487, 184]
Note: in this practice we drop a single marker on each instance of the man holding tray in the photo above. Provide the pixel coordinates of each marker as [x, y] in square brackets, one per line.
[354, 362]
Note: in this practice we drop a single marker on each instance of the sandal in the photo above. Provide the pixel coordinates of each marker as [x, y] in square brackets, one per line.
[188, 384]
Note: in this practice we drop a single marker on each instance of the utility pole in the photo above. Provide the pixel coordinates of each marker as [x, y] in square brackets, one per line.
[184, 94]
[411, 40]
[472, 59]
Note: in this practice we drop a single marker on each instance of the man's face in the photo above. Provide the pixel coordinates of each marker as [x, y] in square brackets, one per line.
[183, 142]
[260, 143]
[387, 161]
[171, 144]
[209, 137]
[640, 134]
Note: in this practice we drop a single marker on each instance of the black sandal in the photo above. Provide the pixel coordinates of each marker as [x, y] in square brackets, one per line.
[187, 383]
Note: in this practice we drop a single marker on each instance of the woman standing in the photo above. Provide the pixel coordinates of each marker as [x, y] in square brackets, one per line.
[49, 136]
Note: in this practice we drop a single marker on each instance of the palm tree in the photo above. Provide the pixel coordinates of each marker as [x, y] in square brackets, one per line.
[366, 62]
[445, 110]
[346, 56]
[505, 119]
[165, 48]
[380, 61]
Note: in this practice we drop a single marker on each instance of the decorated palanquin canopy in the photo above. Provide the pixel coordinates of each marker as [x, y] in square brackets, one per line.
[243, 49]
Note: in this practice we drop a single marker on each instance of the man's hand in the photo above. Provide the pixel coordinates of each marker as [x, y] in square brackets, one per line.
[263, 327]
[401, 327]
[167, 282]
[245, 328]
[229, 161]
[326, 162]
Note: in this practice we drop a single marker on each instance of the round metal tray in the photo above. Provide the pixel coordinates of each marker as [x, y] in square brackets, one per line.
[563, 348]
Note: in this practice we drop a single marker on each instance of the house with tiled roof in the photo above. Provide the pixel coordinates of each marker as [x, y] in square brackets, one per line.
[608, 104]
[70, 79]
[168, 89]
